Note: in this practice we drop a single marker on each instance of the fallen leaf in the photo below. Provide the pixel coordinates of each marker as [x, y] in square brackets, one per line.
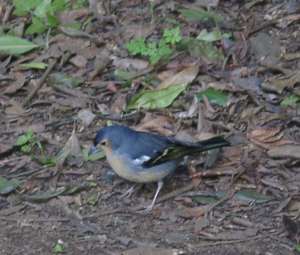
[214, 96]
[11, 45]
[63, 80]
[79, 61]
[71, 148]
[86, 116]
[119, 105]
[7, 186]
[285, 151]
[16, 85]
[130, 63]
[192, 212]
[33, 65]
[252, 196]
[43, 196]
[160, 124]
[14, 108]
[185, 77]
[156, 99]
[278, 84]
[266, 137]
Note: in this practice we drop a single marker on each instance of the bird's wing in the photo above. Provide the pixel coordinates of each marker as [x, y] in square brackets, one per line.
[178, 149]
[147, 149]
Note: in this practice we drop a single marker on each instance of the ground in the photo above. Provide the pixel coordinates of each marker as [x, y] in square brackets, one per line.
[239, 81]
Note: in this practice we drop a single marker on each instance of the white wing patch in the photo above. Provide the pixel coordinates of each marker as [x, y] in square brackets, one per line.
[141, 160]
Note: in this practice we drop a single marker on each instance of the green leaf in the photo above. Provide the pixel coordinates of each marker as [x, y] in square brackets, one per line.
[58, 248]
[42, 9]
[26, 148]
[46, 160]
[33, 65]
[93, 199]
[137, 46]
[297, 248]
[59, 5]
[40, 197]
[124, 75]
[7, 186]
[200, 15]
[71, 190]
[203, 49]
[22, 7]
[158, 52]
[52, 21]
[213, 36]
[25, 138]
[92, 157]
[214, 96]
[157, 98]
[37, 26]
[252, 196]
[291, 100]
[172, 36]
[64, 80]
[205, 199]
[11, 45]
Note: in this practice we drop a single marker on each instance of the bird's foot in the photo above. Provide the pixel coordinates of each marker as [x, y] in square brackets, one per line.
[130, 191]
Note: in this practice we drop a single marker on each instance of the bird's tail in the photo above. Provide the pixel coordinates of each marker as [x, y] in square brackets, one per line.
[211, 143]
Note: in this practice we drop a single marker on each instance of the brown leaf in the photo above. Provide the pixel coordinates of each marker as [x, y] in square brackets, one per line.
[184, 77]
[119, 105]
[278, 84]
[71, 148]
[158, 124]
[16, 85]
[267, 137]
[79, 61]
[14, 108]
[130, 63]
[285, 151]
[192, 212]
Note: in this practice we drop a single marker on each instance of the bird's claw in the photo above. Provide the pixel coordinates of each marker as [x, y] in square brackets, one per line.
[128, 193]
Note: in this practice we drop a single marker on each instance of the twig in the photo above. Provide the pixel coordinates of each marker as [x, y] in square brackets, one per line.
[231, 241]
[5, 218]
[40, 83]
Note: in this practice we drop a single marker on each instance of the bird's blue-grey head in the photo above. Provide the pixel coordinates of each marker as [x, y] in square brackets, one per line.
[112, 135]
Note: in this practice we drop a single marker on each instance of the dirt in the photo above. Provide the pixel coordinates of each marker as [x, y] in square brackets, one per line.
[232, 201]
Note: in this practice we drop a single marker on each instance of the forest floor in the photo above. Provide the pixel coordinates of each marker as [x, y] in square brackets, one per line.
[203, 68]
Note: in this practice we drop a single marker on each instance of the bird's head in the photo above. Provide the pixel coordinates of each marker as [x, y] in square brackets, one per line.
[109, 138]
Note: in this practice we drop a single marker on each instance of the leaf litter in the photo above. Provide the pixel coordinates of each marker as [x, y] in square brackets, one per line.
[204, 68]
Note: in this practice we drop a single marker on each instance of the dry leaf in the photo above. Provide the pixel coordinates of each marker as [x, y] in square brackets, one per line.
[267, 137]
[160, 124]
[184, 77]
[71, 148]
[19, 82]
[285, 151]
[192, 212]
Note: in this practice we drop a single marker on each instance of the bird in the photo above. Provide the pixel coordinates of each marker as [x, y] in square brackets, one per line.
[144, 157]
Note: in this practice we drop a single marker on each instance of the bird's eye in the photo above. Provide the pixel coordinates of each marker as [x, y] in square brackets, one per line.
[103, 143]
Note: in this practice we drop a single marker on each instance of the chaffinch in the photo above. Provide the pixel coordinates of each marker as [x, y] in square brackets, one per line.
[143, 157]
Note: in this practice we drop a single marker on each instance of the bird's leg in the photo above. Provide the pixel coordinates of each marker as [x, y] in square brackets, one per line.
[129, 192]
[159, 186]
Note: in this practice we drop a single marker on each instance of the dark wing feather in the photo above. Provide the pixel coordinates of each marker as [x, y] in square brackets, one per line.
[178, 149]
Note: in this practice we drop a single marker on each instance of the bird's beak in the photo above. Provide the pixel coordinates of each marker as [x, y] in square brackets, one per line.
[93, 150]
